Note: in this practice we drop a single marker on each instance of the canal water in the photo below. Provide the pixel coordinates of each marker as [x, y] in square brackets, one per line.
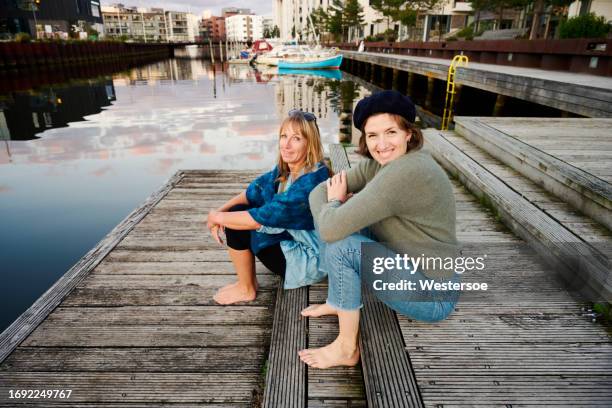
[76, 158]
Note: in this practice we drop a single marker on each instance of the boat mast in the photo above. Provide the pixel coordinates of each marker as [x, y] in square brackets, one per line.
[314, 30]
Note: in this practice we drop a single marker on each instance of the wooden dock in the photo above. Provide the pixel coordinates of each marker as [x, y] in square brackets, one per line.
[133, 323]
[582, 94]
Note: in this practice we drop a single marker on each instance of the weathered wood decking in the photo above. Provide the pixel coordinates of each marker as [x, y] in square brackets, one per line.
[141, 327]
[134, 324]
[528, 343]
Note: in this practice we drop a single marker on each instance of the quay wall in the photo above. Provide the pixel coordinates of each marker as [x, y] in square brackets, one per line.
[589, 56]
[14, 55]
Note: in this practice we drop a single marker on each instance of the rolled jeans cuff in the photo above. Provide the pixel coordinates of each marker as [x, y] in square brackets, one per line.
[344, 309]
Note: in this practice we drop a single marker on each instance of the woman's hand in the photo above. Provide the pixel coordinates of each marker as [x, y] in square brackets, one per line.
[212, 219]
[337, 187]
[214, 226]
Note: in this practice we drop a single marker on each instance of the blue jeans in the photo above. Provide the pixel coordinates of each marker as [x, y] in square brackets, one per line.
[342, 262]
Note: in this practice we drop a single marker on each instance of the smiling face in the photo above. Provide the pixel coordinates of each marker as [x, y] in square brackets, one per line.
[385, 139]
[293, 146]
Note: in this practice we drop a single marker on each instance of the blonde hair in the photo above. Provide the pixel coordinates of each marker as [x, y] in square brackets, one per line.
[314, 148]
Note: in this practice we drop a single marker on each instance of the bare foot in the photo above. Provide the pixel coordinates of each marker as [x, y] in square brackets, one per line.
[234, 294]
[319, 310]
[233, 285]
[332, 355]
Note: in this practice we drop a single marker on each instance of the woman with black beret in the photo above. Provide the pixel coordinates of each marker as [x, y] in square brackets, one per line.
[404, 199]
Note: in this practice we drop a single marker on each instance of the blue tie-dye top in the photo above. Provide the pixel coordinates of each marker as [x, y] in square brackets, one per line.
[288, 210]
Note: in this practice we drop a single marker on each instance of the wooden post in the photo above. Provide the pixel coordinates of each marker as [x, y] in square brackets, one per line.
[500, 102]
[430, 91]
[220, 51]
[395, 79]
[212, 53]
[410, 85]
[457, 97]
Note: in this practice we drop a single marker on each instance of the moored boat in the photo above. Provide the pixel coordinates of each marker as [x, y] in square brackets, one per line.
[329, 62]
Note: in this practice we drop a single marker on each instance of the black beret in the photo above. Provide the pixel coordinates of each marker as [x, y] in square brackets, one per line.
[384, 102]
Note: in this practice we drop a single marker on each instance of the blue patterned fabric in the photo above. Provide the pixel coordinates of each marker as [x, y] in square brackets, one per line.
[301, 256]
[289, 210]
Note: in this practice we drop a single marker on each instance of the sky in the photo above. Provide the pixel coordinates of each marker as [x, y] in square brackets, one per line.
[263, 7]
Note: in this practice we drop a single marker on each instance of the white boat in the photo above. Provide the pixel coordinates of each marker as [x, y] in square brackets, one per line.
[295, 52]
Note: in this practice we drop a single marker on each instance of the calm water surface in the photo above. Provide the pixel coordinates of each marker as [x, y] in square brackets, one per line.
[76, 159]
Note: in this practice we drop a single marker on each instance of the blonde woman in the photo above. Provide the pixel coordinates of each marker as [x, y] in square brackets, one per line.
[271, 219]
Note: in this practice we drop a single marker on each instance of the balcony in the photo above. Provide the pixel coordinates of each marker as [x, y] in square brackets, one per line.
[461, 7]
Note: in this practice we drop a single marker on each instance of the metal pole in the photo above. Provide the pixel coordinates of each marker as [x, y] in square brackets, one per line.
[35, 21]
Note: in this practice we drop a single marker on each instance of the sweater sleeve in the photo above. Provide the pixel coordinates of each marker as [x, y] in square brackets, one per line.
[356, 180]
[357, 177]
[387, 194]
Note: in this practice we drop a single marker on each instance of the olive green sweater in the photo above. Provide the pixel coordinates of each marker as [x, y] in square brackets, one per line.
[408, 204]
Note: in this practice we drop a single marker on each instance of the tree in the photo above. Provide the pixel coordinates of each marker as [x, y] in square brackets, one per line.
[353, 15]
[275, 32]
[390, 9]
[497, 6]
[587, 26]
[335, 20]
[540, 7]
[404, 12]
[319, 20]
[267, 33]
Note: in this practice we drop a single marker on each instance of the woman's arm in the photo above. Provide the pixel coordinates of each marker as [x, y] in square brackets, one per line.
[378, 200]
[237, 199]
[238, 220]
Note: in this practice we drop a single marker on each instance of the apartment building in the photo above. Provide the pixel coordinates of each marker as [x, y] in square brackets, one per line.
[213, 27]
[149, 24]
[49, 19]
[291, 16]
[243, 28]
[139, 24]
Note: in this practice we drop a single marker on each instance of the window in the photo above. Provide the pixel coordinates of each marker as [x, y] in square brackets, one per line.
[95, 8]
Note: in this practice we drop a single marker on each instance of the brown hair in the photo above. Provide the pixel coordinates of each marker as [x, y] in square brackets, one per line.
[314, 148]
[415, 142]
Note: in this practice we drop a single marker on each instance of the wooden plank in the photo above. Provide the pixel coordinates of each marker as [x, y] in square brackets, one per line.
[31, 318]
[171, 296]
[139, 387]
[161, 315]
[53, 335]
[286, 374]
[586, 192]
[388, 376]
[235, 359]
[550, 239]
[172, 268]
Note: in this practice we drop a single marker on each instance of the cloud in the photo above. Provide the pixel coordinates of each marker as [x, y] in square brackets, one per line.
[263, 7]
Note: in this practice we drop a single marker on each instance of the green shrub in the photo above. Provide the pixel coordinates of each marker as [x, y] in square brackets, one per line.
[586, 26]
[23, 37]
[375, 38]
[465, 32]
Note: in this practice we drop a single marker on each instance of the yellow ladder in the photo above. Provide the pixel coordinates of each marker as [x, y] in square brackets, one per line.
[458, 60]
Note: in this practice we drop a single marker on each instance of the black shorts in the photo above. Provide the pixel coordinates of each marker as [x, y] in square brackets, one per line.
[272, 257]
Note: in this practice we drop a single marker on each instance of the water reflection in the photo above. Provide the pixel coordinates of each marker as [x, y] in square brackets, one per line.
[24, 115]
[76, 159]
